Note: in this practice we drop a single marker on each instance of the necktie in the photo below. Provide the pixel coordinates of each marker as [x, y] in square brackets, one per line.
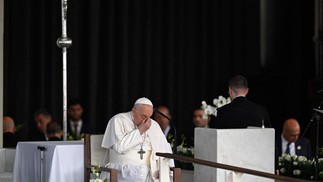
[287, 148]
[75, 129]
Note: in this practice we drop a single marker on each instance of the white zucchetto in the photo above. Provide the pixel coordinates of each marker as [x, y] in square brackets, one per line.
[144, 100]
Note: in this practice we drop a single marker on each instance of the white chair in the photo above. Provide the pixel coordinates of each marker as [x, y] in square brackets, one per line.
[93, 157]
[7, 158]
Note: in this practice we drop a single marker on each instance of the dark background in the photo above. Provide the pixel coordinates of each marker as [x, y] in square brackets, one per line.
[175, 52]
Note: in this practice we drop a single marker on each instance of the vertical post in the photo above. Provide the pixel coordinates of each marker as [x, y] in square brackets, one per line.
[64, 42]
[317, 148]
[41, 166]
[1, 68]
[318, 39]
[164, 169]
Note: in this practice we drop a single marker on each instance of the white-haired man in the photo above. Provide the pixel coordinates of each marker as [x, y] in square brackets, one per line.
[133, 139]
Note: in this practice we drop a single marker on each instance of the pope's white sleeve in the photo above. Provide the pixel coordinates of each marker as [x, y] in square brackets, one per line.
[127, 141]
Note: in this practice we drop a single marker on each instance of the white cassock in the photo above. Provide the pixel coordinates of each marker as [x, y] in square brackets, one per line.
[124, 141]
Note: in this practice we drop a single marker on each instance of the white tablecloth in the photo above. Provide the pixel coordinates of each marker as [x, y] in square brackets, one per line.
[63, 161]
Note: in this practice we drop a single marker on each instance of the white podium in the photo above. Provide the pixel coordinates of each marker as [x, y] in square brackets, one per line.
[247, 148]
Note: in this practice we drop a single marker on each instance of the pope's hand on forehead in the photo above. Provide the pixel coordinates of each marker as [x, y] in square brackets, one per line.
[144, 125]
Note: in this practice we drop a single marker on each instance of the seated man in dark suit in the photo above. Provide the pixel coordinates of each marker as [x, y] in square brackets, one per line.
[240, 113]
[10, 138]
[54, 131]
[290, 142]
[42, 117]
[198, 119]
[162, 116]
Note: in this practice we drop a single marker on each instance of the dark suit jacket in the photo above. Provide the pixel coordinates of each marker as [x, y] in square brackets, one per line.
[240, 113]
[302, 148]
[84, 129]
[172, 135]
[38, 136]
[10, 140]
[54, 139]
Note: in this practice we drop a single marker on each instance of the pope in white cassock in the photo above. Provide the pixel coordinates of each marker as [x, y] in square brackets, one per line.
[132, 139]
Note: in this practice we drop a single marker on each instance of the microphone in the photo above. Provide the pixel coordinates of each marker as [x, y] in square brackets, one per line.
[262, 121]
[315, 116]
[41, 148]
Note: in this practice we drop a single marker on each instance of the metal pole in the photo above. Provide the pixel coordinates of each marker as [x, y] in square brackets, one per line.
[41, 166]
[318, 39]
[64, 42]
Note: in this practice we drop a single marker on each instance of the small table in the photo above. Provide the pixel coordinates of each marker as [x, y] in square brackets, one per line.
[61, 161]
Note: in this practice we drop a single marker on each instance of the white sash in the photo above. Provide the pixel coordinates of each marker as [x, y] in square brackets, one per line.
[131, 157]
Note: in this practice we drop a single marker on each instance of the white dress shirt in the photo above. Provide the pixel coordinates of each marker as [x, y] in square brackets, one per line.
[291, 146]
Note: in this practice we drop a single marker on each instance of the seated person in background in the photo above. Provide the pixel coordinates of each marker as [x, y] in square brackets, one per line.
[10, 138]
[240, 113]
[133, 139]
[162, 116]
[76, 126]
[199, 122]
[42, 117]
[198, 119]
[54, 131]
[289, 141]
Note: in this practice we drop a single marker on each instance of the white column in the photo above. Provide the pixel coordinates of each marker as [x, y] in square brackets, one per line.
[1, 70]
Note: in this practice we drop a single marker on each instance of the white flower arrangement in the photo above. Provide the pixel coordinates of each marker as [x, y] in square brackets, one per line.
[212, 110]
[96, 180]
[95, 171]
[298, 166]
[185, 150]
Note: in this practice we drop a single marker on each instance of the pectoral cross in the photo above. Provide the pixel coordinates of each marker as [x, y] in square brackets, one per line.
[141, 152]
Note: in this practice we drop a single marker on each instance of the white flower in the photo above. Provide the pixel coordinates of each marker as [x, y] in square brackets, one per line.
[301, 158]
[286, 157]
[297, 172]
[282, 170]
[96, 180]
[182, 149]
[204, 105]
[320, 160]
[212, 110]
[299, 147]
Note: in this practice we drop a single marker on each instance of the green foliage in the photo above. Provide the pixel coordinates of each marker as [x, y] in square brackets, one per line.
[185, 150]
[73, 136]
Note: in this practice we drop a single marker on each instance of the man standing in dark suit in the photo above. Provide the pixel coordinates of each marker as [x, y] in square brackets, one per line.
[240, 113]
[76, 127]
[290, 142]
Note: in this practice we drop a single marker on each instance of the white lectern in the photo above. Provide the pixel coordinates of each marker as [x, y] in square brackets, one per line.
[248, 148]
